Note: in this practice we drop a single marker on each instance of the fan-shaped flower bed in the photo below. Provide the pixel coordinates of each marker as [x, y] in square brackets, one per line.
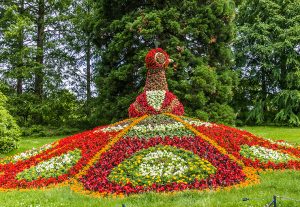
[99, 177]
[151, 153]
[161, 165]
[31, 172]
[252, 150]
[155, 150]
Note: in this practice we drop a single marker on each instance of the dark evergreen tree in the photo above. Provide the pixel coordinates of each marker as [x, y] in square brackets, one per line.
[268, 56]
[32, 41]
[43, 49]
[85, 55]
[197, 35]
[16, 52]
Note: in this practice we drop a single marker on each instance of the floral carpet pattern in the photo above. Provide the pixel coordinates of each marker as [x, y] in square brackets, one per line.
[157, 149]
[119, 162]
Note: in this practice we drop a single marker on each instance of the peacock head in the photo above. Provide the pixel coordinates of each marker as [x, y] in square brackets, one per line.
[157, 59]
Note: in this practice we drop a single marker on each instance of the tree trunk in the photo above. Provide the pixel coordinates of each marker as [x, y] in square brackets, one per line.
[39, 76]
[20, 62]
[264, 89]
[283, 72]
[19, 86]
[88, 71]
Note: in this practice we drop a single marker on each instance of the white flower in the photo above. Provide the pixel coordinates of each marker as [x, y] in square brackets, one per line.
[284, 144]
[150, 167]
[53, 164]
[159, 127]
[31, 153]
[199, 123]
[269, 154]
[156, 98]
[114, 128]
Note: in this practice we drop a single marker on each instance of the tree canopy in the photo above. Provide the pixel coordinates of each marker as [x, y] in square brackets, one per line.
[80, 64]
[268, 49]
[198, 36]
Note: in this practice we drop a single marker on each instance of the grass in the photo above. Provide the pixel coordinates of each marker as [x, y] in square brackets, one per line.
[282, 183]
[27, 143]
[278, 133]
[279, 183]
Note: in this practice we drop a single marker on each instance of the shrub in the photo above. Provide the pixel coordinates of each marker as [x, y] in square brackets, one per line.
[59, 108]
[221, 113]
[9, 130]
[48, 131]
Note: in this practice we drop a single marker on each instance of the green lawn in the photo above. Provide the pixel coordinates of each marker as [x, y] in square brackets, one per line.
[28, 143]
[289, 134]
[280, 183]
[285, 183]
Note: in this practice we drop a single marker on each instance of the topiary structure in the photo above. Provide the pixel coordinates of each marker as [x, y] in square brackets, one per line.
[156, 98]
[156, 149]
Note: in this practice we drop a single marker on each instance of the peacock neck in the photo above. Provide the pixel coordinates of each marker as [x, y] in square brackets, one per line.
[156, 80]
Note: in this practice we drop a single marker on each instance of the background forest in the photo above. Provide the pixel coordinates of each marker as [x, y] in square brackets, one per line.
[67, 66]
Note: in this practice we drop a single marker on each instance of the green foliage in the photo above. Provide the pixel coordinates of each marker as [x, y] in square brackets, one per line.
[267, 53]
[17, 58]
[288, 101]
[60, 109]
[48, 131]
[39, 66]
[9, 130]
[8, 144]
[257, 113]
[3, 99]
[196, 34]
[221, 113]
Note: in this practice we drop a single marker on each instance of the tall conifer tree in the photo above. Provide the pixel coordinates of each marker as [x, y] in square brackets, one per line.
[197, 35]
[268, 52]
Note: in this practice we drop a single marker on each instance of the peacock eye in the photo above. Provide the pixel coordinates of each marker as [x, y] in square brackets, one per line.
[160, 58]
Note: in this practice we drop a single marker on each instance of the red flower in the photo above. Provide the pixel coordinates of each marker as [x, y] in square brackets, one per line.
[89, 142]
[231, 139]
[157, 58]
[228, 172]
[170, 105]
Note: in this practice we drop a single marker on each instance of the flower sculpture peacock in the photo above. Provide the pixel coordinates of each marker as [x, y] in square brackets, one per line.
[156, 149]
[156, 98]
